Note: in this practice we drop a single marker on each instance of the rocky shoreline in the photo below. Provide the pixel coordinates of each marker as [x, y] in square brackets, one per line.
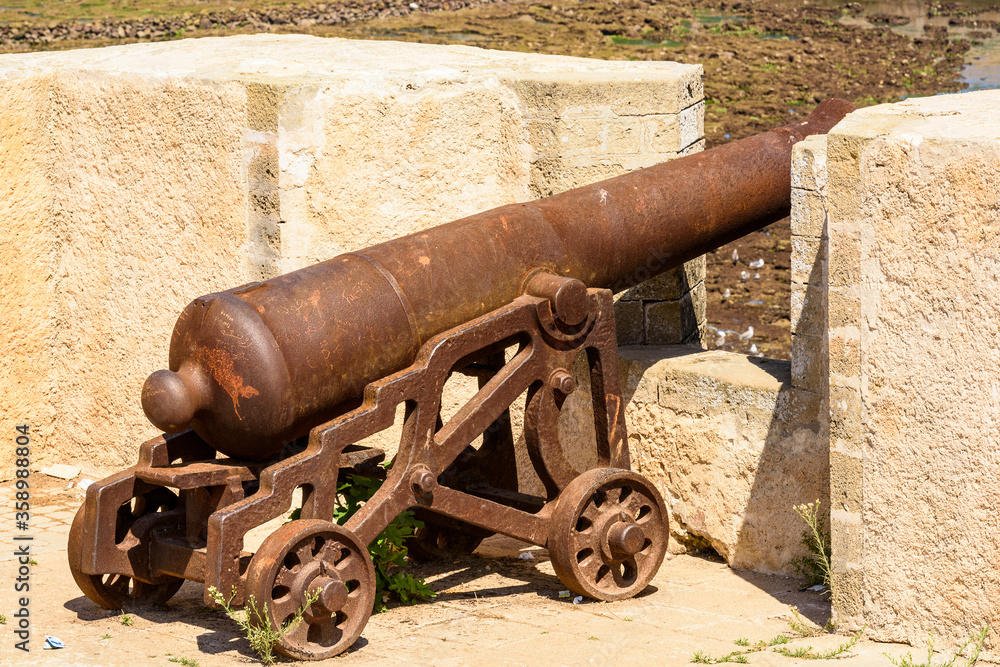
[45, 34]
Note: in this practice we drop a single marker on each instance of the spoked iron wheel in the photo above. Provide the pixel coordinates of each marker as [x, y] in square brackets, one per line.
[303, 557]
[608, 534]
[116, 591]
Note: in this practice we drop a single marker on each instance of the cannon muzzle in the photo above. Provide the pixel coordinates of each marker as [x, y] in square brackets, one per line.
[260, 365]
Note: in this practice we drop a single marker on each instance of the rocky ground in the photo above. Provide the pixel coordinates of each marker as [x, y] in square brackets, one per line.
[767, 62]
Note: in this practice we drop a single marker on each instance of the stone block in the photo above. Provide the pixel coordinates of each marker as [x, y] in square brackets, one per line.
[671, 322]
[140, 177]
[810, 363]
[848, 599]
[663, 132]
[809, 163]
[590, 136]
[845, 418]
[844, 352]
[645, 88]
[122, 225]
[809, 260]
[721, 436]
[808, 309]
[552, 175]
[915, 228]
[629, 322]
[809, 214]
[846, 483]
[670, 285]
[844, 253]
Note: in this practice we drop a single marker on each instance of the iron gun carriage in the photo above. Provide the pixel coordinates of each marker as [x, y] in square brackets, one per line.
[272, 385]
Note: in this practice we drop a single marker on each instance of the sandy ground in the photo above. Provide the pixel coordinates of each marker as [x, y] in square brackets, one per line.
[492, 608]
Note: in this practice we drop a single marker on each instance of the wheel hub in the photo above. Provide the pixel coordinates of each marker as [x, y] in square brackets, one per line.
[332, 595]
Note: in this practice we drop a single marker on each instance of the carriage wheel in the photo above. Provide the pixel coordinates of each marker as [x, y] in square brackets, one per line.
[303, 557]
[116, 591]
[608, 534]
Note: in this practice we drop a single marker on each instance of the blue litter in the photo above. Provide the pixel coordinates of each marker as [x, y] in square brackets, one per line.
[53, 643]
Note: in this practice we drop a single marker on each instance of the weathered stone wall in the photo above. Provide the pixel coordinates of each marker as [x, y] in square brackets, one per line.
[913, 206]
[136, 178]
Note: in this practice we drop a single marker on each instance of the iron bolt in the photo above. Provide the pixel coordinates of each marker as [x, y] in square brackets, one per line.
[422, 480]
[562, 382]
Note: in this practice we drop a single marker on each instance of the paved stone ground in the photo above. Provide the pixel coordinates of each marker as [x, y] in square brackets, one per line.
[492, 609]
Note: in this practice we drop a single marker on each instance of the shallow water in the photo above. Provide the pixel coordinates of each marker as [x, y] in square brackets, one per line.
[982, 66]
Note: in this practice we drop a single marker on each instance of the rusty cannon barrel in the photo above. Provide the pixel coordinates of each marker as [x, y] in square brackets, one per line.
[255, 367]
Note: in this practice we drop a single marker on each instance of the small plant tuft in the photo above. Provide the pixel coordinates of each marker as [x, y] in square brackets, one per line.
[816, 566]
[255, 625]
[969, 655]
[187, 662]
[807, 653]
[3, 620]
[742, 641]
[126, 619]
[105, 636]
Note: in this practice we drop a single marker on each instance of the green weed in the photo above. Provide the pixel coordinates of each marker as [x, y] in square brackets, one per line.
[254, 624]
[975, 641]
[187, 662]
[816, 566]
[807, 653]
[126, 619]
[388, 550]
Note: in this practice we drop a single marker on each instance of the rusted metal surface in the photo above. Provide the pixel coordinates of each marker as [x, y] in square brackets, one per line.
[608, 534]
[320, 558]
[258, 366]
[333, 350]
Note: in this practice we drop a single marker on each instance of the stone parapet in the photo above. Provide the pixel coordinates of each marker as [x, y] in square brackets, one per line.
[139, 177]
[912, 205]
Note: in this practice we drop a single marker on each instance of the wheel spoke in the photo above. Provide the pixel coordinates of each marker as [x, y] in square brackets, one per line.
[345, 568]
[297, 636]
[591, 512]
[283, 607]
[330, 551]
[612, 495]
[304, 551]
[634, 503]
[285, 577]
[580, 541]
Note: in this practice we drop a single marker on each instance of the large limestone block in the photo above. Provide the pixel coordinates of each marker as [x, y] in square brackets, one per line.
[730, 444]
[136, 178]
[914, 226]
[124, 197]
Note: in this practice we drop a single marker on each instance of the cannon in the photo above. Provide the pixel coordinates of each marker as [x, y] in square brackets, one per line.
[272, 386]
